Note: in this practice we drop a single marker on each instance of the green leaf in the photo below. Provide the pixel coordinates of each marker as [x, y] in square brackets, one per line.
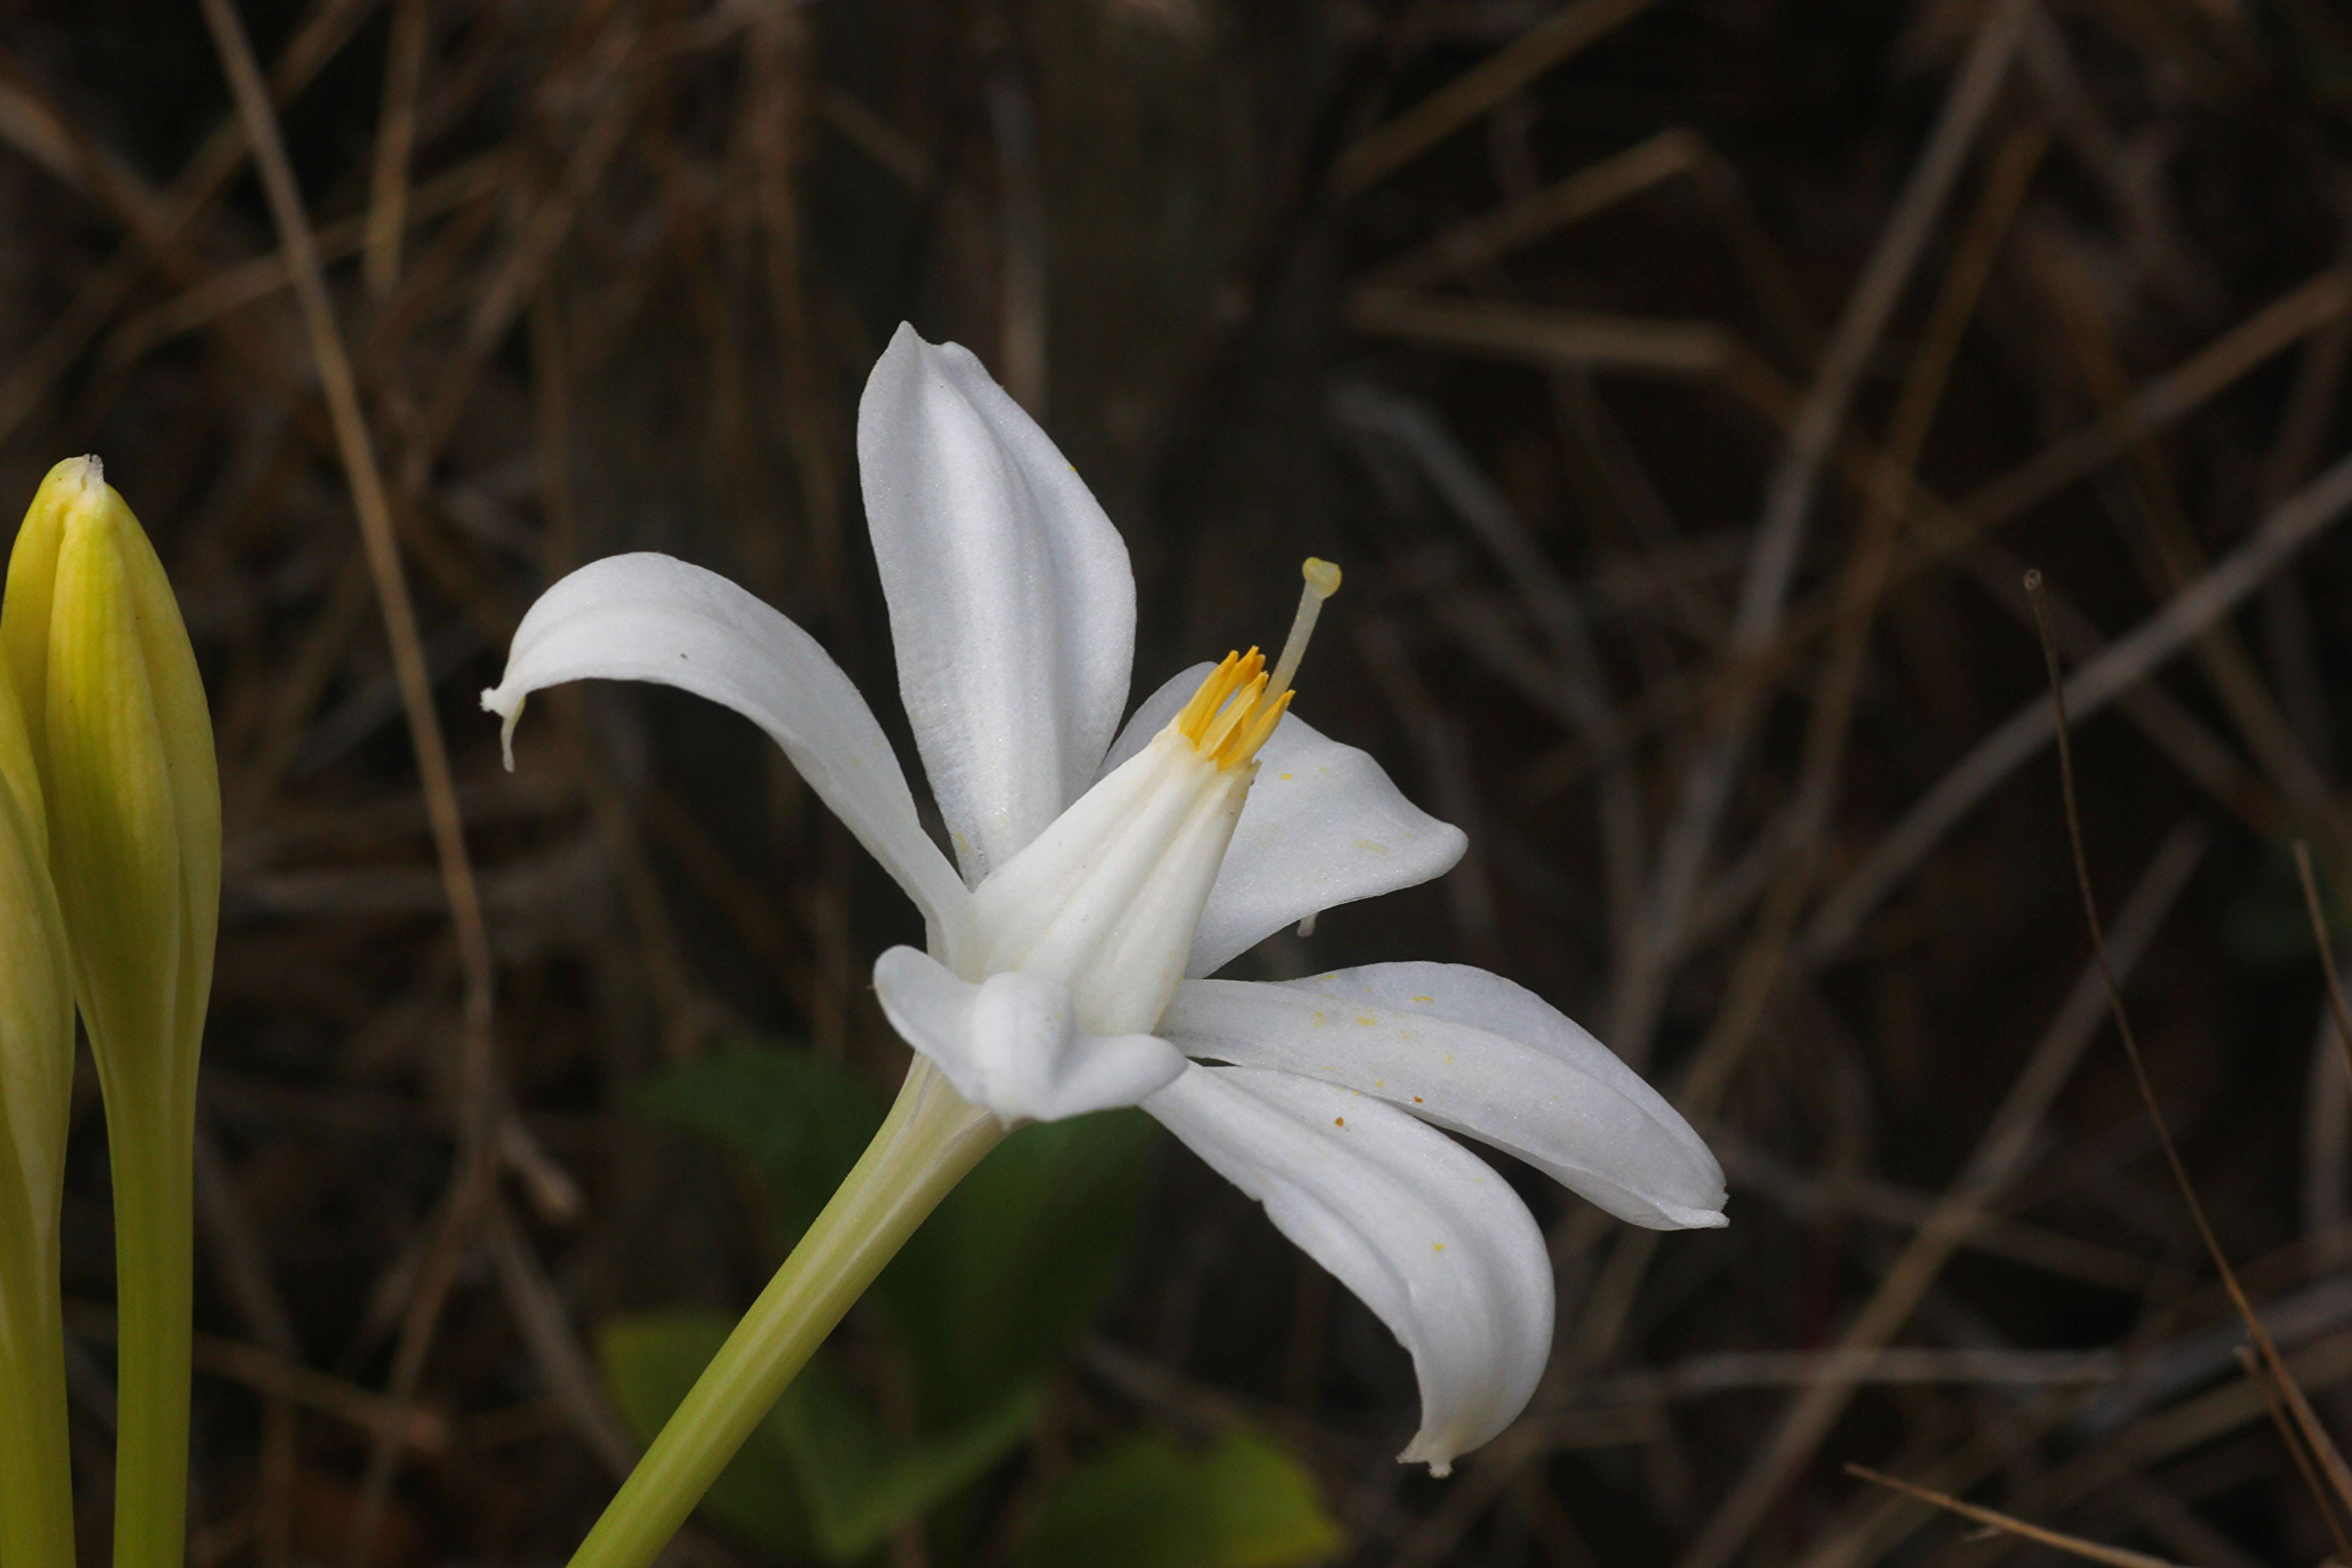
[999, 1282]
[649, 1362]
[859, 1484]
[799, 1119]
[1147, 1503]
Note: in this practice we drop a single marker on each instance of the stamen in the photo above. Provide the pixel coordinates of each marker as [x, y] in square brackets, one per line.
[1322, 582]
[1238, 705]
[1237, 672]
[1233, 719]
[1196, 714]
[1245, 745]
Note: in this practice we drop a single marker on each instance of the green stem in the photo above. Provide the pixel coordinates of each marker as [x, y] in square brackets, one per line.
[36, 1517]
[150, 1147]
[930, 1139]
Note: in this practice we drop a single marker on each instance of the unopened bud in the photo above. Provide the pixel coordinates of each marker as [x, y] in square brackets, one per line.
[115, 722]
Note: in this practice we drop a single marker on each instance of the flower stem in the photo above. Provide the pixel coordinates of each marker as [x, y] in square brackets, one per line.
[929, 1142]
[36, 1519]
[151, 1152]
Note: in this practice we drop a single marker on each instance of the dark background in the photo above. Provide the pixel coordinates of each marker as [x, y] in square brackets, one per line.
[1530, 377]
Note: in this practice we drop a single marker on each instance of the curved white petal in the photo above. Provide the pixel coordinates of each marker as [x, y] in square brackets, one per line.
[1324, 826]
[652, 617]
[1473, 1052]
[1012, 605]
[1433, 1241]
[1011, 1043]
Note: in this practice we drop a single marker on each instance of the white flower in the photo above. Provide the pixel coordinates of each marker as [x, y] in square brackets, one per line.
[1104, 878]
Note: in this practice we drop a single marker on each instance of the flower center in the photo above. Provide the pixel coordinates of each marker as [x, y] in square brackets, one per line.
[1107, 897]
[1230, 716]
[1238, 705]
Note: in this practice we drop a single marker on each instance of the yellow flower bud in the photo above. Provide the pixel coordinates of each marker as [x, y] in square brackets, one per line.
[120, 747]
[115, 720]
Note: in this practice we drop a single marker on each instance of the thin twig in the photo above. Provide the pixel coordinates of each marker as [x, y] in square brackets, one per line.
[1594, 188]
[2128, 661]
[2074, 1545]
[1482, 87]
[1941, 529]
[1023, 295]
[396, 140]
[1761, 967]
[2318, 913]
[1639, 986]
[368, 499]
[476, 1086]
[2251, 1364]
[2323, 1448]
[1999, 1153]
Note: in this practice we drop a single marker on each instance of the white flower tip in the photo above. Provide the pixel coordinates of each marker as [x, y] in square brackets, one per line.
[1703, 1209]
[508, 710]
[1680, 1195]
[1422, 1450]
[908, 354]
[1445, 1438]
[93, 472]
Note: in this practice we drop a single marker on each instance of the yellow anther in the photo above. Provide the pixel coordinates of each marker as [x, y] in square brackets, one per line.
[1245, 745]
[1236, 715]
[1237, 672]
[1196, 714]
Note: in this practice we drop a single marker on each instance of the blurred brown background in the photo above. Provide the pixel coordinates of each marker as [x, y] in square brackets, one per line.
[1684, 387]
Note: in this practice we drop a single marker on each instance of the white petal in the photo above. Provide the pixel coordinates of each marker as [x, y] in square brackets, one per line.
[1473, 1052]
[652, 617]
[1012, 605]
[1011, 1043]
[1433, 1241]
[1323, 826]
